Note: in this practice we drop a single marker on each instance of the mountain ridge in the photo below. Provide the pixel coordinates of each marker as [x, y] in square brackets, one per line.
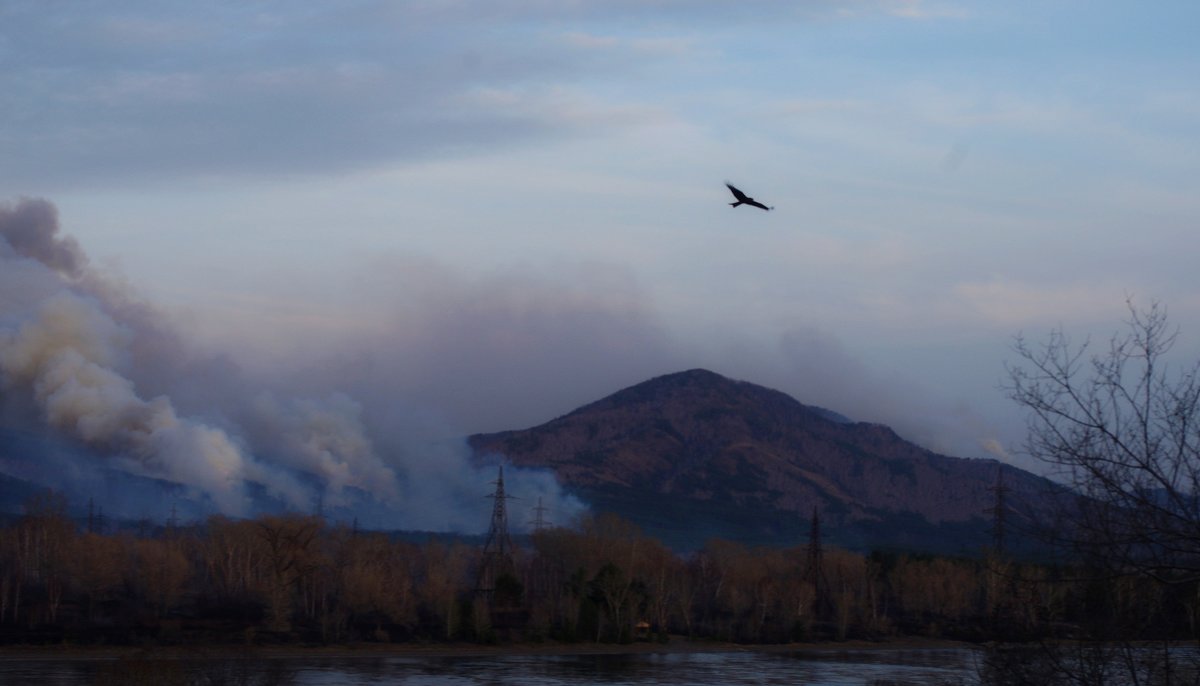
[698, 441]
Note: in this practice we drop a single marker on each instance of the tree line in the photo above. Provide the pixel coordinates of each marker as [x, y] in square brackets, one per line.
[294, 578]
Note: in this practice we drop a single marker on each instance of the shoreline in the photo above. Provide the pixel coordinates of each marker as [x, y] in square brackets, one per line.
[677, 645]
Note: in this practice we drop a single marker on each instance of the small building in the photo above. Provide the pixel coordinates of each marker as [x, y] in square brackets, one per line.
[641, 630]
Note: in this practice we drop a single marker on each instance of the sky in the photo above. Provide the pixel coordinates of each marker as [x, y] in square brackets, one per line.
[413, 221]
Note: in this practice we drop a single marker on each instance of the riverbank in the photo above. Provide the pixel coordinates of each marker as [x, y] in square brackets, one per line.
[677, 644]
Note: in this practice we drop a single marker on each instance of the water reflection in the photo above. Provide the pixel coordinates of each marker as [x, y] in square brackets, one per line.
[841, 668]
[876, 667]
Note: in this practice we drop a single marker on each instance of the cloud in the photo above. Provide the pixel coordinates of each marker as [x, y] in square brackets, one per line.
[590, 41]
[164, 90]
[1007, 304]
[622, 48]
[234, 92]
[563, 109]
[918, 9]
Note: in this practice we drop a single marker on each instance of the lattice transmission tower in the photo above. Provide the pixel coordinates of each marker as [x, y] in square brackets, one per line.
[539, 516]
[999, 512]
[814, 570]
[498, 551]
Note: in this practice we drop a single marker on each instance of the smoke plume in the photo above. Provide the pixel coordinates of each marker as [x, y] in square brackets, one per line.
[106, 375]
[68, 357]
[31, 229]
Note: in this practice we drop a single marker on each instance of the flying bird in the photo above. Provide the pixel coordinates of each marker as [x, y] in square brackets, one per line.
[743, 199]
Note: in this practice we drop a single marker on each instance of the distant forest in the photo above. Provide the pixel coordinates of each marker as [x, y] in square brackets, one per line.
[297, 579]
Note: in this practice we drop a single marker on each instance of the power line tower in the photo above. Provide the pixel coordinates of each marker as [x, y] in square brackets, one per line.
[172, 524]
[814, 571]
[498, 551]
[539, 516]
[96, 523]
[1003, 578]
[998, 510]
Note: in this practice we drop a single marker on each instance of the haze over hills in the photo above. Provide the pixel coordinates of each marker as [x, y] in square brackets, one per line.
[694, 455]
[688, 457]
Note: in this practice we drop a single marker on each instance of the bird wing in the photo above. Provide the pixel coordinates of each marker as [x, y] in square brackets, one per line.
[736, 193]
[757, 204]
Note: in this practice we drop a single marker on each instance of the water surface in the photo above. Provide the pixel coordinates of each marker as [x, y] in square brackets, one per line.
[873, 667]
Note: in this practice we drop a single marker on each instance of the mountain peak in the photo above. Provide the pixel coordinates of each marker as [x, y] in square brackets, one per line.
[691, 378]
[703, 385]
[694, 453]
[667, 385]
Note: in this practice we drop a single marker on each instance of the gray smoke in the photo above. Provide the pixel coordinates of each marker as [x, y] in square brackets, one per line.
[68, 357]
[107, 376]
[31, 229]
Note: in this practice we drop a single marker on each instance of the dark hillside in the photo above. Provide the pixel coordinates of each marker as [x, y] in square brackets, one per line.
[693, 455]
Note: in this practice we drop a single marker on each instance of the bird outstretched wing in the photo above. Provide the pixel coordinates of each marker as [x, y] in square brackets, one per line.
[742, 197]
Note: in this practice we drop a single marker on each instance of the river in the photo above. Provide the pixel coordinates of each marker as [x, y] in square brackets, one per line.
[870, 667]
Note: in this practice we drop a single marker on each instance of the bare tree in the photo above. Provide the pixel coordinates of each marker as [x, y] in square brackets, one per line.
[96, 564]
[1122, 430]
[44, 535]
[160, 573]
[289, 543]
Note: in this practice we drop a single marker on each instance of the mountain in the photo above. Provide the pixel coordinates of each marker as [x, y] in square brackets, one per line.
[694, 455]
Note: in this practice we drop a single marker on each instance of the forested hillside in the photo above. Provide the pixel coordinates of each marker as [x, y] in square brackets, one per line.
[695, 455]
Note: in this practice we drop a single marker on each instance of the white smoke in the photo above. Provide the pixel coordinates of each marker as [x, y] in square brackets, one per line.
[69, 355]
[81, 353]
[325, 438]
[994, 447]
